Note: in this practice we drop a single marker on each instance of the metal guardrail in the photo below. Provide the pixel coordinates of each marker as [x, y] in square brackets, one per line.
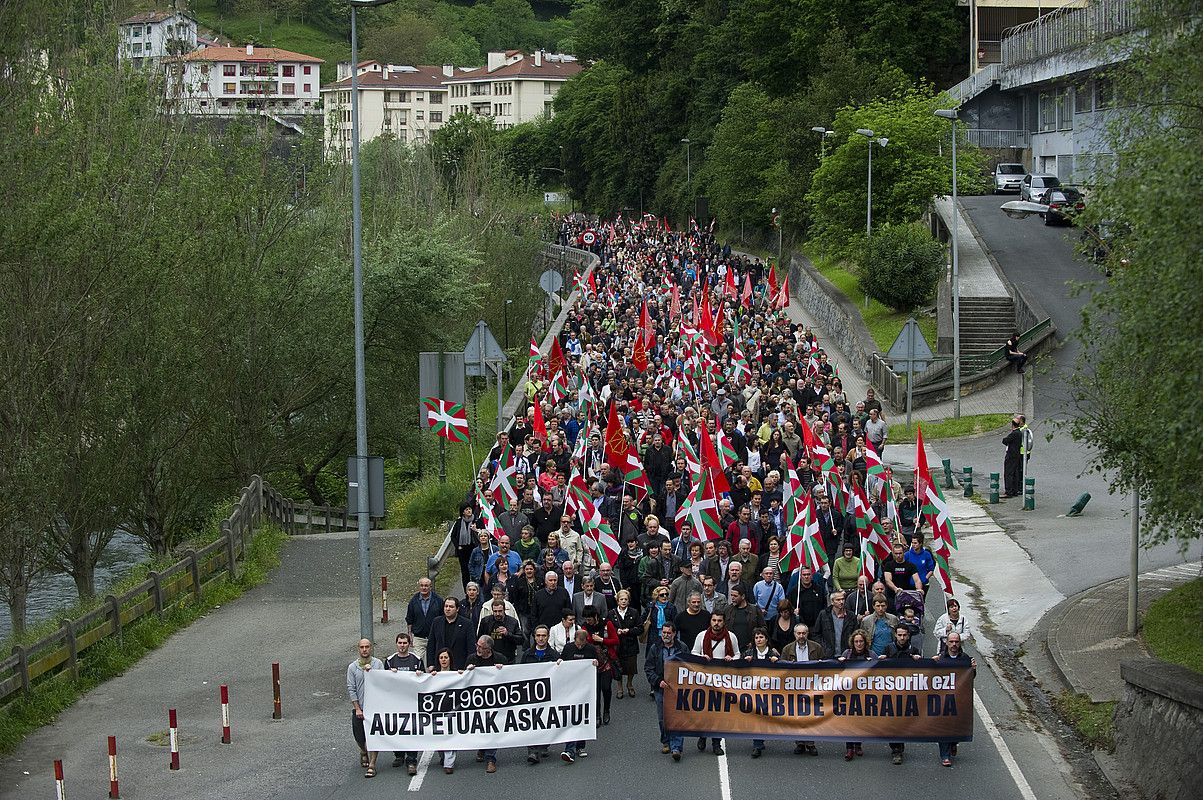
[986, 362]
[58, 654]
[1067, 29]
[975, 84]
[997, 138]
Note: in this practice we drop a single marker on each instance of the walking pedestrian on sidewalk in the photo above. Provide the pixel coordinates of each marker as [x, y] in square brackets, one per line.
[357, 671]
[1013, 461]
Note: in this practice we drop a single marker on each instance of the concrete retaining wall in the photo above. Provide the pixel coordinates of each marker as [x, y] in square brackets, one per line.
[1159, 728]
[837, 315]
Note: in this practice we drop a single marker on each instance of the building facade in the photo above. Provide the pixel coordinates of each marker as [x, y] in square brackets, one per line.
[225, 81]
[1048, 101]
[146, 39]
[410, 103]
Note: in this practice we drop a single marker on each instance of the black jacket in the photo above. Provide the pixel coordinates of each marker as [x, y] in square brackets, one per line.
[456, 636]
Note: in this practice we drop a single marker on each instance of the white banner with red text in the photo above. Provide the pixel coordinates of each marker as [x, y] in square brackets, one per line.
[481, 708]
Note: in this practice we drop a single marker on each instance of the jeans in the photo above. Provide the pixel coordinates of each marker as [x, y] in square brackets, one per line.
[571, 748]
[675, 741]
[947, 750]
[758, 744]
[490, 756]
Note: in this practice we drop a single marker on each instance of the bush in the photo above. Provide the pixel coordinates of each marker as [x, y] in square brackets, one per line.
[900, 265]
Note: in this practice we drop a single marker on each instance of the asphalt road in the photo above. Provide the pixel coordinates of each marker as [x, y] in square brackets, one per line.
[306, 618]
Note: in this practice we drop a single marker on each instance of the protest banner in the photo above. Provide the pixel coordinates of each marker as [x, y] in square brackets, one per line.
[486, 707]
[888, 700]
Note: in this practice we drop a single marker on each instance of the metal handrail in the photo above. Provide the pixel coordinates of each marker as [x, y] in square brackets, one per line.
[1067, 28]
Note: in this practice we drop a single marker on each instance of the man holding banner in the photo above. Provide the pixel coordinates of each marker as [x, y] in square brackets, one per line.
[664, 651]
[716, 642]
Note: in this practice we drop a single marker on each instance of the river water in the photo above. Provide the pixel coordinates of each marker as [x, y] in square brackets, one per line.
[53, 592]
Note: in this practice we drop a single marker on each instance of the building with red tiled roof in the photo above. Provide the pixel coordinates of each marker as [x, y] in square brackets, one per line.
[230, 80]
[410, 103]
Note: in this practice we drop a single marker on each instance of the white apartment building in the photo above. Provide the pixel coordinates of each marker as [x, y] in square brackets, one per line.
[513, 87]
[229, 80]
[410, 103]
[147, 38]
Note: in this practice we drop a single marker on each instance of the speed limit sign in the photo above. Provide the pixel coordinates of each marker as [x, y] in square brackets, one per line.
[588, 238]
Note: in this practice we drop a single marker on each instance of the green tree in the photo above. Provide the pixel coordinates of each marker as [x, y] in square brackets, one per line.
[406, 40]
[912, 168]
[900, 265]
[1142, 334]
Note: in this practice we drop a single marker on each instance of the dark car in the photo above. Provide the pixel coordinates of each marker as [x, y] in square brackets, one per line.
[1064, 204]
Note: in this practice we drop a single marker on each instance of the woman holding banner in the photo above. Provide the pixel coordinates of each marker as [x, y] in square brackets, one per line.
[858, 650]
[760, 650]
[442, 663]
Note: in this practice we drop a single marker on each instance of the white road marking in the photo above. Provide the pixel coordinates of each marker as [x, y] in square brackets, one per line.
[724, 777]
[415, 783]
[1016, 774]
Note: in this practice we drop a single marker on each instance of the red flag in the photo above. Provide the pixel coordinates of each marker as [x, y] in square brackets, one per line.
[538, 425]
[781, 299]
[729, 285]
[639, 353]
[745, 299]
[676, 303]
[592, 282]
[556, 361]
[697, 314]
[772, 280]
[712, 465]
[645, 325]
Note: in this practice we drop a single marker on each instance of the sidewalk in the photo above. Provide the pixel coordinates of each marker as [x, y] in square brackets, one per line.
[1087, 635]
[1008, 396]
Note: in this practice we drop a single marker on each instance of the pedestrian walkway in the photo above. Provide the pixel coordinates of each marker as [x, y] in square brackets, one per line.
[1010, 395]
[1088, 637]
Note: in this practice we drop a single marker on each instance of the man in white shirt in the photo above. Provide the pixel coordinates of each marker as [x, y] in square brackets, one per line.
[716, 642]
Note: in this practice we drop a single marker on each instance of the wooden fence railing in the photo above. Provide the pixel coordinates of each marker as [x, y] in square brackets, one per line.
[58, 654]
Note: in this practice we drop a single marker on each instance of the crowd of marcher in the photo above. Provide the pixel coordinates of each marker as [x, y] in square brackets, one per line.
[678, 348]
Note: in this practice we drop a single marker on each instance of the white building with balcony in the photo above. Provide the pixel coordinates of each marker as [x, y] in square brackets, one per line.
[146, 39]
[407, 103]
[1047, 102]
[512, 87]
[225, 81]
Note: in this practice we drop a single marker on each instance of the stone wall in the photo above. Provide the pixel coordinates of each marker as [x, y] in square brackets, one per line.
[834, 312]
[1159, 728]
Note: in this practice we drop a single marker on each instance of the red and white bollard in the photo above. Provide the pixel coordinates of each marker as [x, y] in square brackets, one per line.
[384, 598]
[114, 792]
[59, 790]
[225, 714]
[174, 737]
[277, 711]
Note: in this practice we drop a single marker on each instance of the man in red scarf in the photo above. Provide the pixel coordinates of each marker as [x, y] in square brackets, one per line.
[716, 642]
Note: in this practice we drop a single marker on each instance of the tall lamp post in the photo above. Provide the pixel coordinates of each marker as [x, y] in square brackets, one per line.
[688, 165]
[361, 391]
[505, 308]
[883, 141]
[824, 135]
[950, 114]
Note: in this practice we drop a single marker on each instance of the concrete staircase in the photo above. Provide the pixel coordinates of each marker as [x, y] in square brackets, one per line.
[986, 323]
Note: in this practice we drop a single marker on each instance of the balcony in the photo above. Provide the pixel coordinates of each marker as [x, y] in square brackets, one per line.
[997, 139]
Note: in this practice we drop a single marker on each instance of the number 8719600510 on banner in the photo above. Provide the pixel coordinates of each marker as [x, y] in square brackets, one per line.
[520, 704]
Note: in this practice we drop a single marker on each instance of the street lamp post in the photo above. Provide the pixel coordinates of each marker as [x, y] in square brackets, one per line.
[883, 141]
[824, 135]
[505, 308]
[361, 392]
[950, 114]
[688, 165]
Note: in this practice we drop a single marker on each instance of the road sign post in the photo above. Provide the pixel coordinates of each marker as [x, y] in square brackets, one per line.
[440, 375]
[911, 352]
[482, 356]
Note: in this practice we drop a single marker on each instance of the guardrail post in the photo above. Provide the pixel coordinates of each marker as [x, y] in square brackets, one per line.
[72, 649]
[326, 516]
[309, 518]
[156, 590]
[277, 708]
[994, 487]
[194, 570]
[948, 473]
[22, 666]
[115, 615]
[232, 565]
[1029, 494]
[968, 481]
[346, 517]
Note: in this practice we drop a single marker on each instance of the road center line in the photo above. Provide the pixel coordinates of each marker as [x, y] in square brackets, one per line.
[724, 777]
[1016, 774]
[415, 783]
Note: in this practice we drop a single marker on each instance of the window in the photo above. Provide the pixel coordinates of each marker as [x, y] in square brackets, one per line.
[418, 97]
[436, 116]
[1104, 93]
[138, 35]
[402, 97]
[289, 71]
[204, 87]
[549, 87]
[138, 49]
[1082, 98]
[288, 88]
[420, 116]
[308, 69]
[436, 98]
[1048, 112]
[229, 88]
[307, 91]
[228, 70]
[204, 69]
[1065, 109]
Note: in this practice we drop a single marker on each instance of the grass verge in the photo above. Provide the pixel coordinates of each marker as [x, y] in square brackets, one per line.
[1169, 624]
[884, 323]
[949, 428]
[1094, 722]
[111, 657]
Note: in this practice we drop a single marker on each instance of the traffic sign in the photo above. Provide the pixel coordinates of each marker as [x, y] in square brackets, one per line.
[551, 281]
[588, 238]
[481, 351]
[910, 352]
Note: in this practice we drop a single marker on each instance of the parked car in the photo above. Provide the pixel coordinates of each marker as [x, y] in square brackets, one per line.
[1034, 187]
[1064, 204]
[1008, 177]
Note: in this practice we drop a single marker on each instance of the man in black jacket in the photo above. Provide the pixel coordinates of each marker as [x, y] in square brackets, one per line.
[453, 631]
[505, 631]
[424, 608]
[658, 464]
[901, 647]
[662, 650]
[540, 652]
[550, 601]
